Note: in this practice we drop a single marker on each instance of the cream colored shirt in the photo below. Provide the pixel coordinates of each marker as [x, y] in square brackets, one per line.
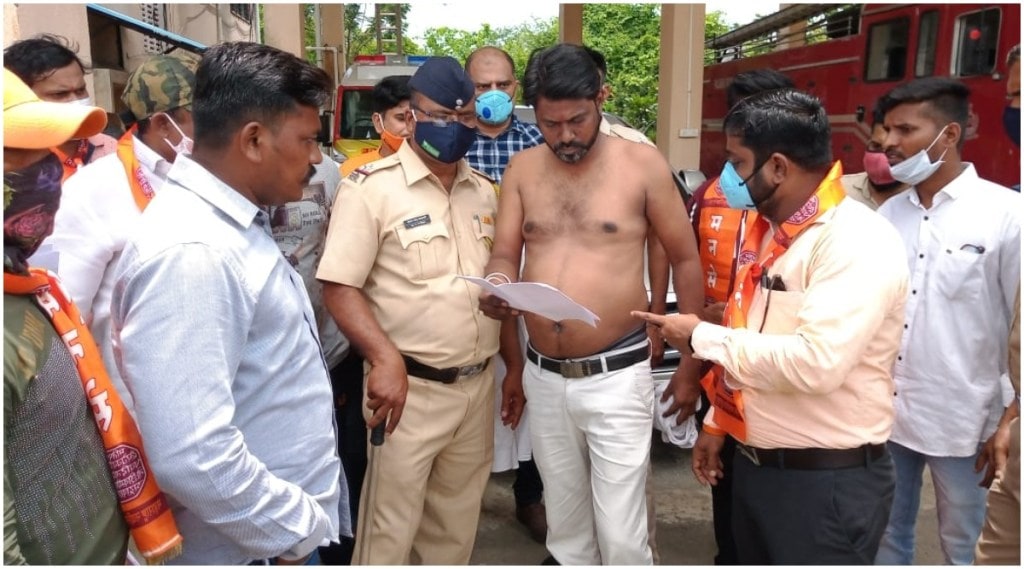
[856, 186]
[400, 237]
[819, 374]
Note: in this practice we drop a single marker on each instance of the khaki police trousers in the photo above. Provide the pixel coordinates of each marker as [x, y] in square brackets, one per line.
[999, 543]
[431, 474]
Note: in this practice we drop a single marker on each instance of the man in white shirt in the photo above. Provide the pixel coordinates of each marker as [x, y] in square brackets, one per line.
[104, 200]
[962, 236]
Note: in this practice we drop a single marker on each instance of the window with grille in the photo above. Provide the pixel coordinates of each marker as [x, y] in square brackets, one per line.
[977, 35]
[927, 44]
[887, 50]
[242, 11]
[156, 15]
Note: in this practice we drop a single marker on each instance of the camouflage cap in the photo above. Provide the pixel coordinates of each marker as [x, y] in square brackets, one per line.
[162, 83]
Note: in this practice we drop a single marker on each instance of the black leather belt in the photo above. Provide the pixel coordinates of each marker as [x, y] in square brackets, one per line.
[590, 366]
[812, 458]
[444, 375]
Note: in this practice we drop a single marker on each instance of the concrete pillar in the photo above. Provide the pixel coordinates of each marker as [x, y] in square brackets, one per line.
[332, 33]
[793, 35]
[284, 27]
[681, 84]
[570, 23]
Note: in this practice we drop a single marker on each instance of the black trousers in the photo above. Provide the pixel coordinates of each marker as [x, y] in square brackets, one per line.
[347, 384]
[721, 496]
[527, 488]
[805, 517]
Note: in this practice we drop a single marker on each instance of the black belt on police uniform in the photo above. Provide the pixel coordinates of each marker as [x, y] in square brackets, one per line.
[577, 368]
[812, 458]
[444, 375]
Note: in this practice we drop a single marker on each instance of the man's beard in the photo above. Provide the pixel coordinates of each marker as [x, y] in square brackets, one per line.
[886, 188]
[572, 158]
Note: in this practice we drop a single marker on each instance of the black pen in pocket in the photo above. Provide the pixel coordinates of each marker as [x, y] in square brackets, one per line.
[979, 249]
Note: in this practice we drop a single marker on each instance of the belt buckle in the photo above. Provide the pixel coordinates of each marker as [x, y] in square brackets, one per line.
[474, 369]
[572, 369]
[750, 453]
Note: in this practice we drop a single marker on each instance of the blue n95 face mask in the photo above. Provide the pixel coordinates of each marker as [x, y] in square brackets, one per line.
[735, 189]
[493, 107]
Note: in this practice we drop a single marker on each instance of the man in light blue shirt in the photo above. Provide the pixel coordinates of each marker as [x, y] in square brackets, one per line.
[213, 330]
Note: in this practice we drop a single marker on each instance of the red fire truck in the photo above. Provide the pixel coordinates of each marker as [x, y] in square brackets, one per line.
[850, 55]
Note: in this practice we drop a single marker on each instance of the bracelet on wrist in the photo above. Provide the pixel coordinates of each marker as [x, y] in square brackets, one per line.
[500, 276]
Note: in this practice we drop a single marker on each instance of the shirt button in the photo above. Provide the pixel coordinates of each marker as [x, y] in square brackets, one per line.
[921, 256]
[926, 218]
[906, 326]
[900, 358]
[913, 292]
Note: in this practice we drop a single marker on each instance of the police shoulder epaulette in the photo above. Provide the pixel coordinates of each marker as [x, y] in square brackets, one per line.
[629, 134]
[484, 176]
[361, 173]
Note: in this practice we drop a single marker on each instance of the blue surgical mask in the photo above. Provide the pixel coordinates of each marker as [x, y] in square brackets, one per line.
[735, 189]
[918, 167]
[447, 143]
[493, 107]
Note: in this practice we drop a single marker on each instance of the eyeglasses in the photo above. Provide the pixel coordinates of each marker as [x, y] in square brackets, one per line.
[444, 118]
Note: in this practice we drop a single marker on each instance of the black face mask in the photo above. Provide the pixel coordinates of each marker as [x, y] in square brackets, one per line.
[446, 144]
[1011, 124]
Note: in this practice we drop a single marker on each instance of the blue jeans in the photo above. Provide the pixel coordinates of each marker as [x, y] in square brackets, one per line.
[959, 500]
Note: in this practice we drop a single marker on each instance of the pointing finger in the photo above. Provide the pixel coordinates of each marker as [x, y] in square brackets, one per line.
[656, 319]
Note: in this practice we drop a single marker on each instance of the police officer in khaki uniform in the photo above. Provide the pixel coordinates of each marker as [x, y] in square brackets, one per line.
[402, 230]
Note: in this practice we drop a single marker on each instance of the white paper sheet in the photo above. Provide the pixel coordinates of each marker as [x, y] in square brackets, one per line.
[538, 298]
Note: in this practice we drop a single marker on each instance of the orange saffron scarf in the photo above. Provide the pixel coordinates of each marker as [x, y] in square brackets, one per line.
[142, 502]
[73, 162]
[728, 402]
[142, 190]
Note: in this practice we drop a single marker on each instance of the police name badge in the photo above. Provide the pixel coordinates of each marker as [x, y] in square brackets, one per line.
[417, 221]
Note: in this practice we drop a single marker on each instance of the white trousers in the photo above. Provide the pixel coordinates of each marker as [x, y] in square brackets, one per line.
[591, 440]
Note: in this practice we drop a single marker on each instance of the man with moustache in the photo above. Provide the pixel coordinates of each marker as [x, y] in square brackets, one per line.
[875, 184]
[961, 235]
[810, 335]
[213, 329]
[499, 136]
[582, 205]
[403, 229]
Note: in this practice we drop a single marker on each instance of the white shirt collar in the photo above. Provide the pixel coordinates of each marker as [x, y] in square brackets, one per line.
[151, 162]
[953, 190]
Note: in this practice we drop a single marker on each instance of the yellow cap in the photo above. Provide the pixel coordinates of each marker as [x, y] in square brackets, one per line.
[32, 123]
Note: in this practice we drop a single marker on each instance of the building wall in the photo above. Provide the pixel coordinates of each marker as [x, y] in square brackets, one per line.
[204, 23]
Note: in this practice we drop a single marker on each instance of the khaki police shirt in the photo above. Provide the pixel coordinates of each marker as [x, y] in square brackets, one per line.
[400, 237]
[856, 186]
[621, 131]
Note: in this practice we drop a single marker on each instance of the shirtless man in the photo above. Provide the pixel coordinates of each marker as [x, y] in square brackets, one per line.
[581, 203]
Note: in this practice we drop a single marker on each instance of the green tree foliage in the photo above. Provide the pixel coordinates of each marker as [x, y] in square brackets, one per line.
[360, 31]
[627, 34]
[714, 26]
[629, 37]
[517, 40]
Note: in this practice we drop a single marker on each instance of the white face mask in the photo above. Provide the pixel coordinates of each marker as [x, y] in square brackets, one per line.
[184, 147]
[918, 167]
[86, 102]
